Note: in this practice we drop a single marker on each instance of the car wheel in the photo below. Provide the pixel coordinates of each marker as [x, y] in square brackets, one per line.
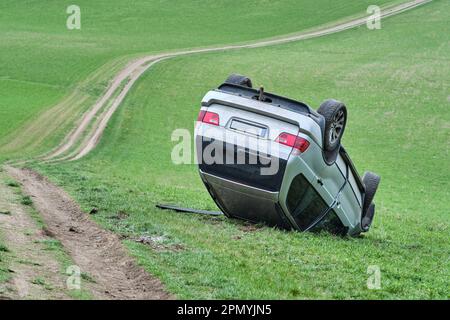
[335, 114]
[239, 80]
[371, 182]
[368, 218]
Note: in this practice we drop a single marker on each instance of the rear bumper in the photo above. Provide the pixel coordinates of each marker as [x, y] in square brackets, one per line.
[245, 202]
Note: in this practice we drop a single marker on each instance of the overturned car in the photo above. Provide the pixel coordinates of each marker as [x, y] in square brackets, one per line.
[269, 159]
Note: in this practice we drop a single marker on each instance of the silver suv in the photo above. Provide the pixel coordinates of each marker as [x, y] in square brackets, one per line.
[266, 158]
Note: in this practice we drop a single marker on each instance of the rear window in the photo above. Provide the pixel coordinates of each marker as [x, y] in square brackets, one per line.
[247, 174]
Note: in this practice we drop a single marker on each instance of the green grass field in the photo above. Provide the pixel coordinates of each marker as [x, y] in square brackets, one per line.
[395, 84]
[41, 61]
[42, 64]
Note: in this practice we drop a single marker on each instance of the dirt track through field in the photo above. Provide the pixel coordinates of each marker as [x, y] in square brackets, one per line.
[35, 271]
[96, 251]
[116, 93]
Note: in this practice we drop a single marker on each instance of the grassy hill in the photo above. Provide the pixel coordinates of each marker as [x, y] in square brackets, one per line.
[43, 64]
[395, 84]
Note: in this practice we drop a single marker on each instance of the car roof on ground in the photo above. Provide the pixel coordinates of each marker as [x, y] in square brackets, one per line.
[282, 102]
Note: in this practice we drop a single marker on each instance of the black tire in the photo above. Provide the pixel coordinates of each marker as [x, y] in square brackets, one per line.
[335, 114]
[368, 217]
[371, 182]
[239, 80]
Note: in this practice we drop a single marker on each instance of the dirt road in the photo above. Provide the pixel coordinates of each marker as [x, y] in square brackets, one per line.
[35, 271]
[95, 251]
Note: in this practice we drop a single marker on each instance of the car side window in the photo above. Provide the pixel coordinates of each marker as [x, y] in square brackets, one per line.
[332, 224]
[304, 202]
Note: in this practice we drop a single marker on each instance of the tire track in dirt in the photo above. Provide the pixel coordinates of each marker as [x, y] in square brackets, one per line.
[96, 251]
[35, 271]
[135, 69]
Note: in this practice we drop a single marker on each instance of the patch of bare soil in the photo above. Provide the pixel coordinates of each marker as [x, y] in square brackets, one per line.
[35, 272]
[159, 243]
[248, 227]
[96, 251]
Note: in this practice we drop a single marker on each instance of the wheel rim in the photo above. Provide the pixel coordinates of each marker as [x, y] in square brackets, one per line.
[337, 127]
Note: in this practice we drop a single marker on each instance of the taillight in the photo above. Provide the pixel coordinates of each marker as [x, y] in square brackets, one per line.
[211, 118]
[293, 141]
[201, 115]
